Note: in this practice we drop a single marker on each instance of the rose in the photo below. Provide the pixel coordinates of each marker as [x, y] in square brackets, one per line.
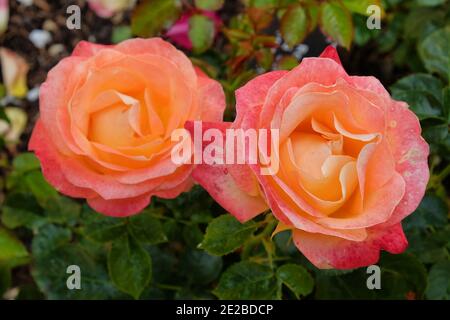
[106, 118]
[107, 8]
[352, 163]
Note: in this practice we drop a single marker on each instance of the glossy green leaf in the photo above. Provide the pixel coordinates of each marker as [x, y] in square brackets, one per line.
[313, 11]
[296, 278]
[402, 275]
[421, 22]
[287, 63]
[434, 52]
[247, 280]
[225, 234]
[50, 273]
[121, 33]
[129, 266]
[49, 238]
[25, 162]
[294, 25]
[336, 22]
[422, 92]
[105, 229]
[150, 17]
[63, 210]
[147, 229]
[432, 212]
[439, 281]
[360, 6]
[201, 32]
[430, 3]
[12, 251]
[21, 209]
[45, 194]
[435, 133]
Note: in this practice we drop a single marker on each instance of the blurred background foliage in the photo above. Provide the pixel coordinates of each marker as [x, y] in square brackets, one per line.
[189, 247]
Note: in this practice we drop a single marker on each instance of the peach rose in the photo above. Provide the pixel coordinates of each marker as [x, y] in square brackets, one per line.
[106, 118]
[352, 162]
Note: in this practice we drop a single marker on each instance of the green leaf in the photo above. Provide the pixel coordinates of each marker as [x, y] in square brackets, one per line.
[435, 133]
[121, 33]
[296, 278]
[434, 52]
[350, 285]
[41, 189]
[105, 229]
[287, 63]
[225, 234]
[150, 17]
[294, 25]
[201, 267]
[247, 280]
[25, 162]
[13, 253]
[313, 17]
[147, 229]
[429, 247]
[201, 32]
[49, 238]
[192, 235]
[360, 6]
[401, 275]
[336, 22]
[284, 243]
[432, 212]
[209, 5]
[21, 210]
[362, 33]
[63, 210]
[421, 22]
[130, 266]
[430, 3]
[422, 92]
[439, 281]
[50, 272]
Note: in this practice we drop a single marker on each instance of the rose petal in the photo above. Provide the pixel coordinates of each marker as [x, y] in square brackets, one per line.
[332, 252]
[119, 207]
[331, 53]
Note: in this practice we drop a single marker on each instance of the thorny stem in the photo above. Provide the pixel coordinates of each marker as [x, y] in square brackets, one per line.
[168, 287]
[271, 223]
[435, 180]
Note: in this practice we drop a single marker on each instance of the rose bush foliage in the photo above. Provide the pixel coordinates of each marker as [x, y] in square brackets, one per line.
[190, 246]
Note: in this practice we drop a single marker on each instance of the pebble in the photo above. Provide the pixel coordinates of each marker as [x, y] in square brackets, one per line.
[50, 25]
[33, 94]
[300, 51]
[40, 38]
[56, 49]
[26, 2]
